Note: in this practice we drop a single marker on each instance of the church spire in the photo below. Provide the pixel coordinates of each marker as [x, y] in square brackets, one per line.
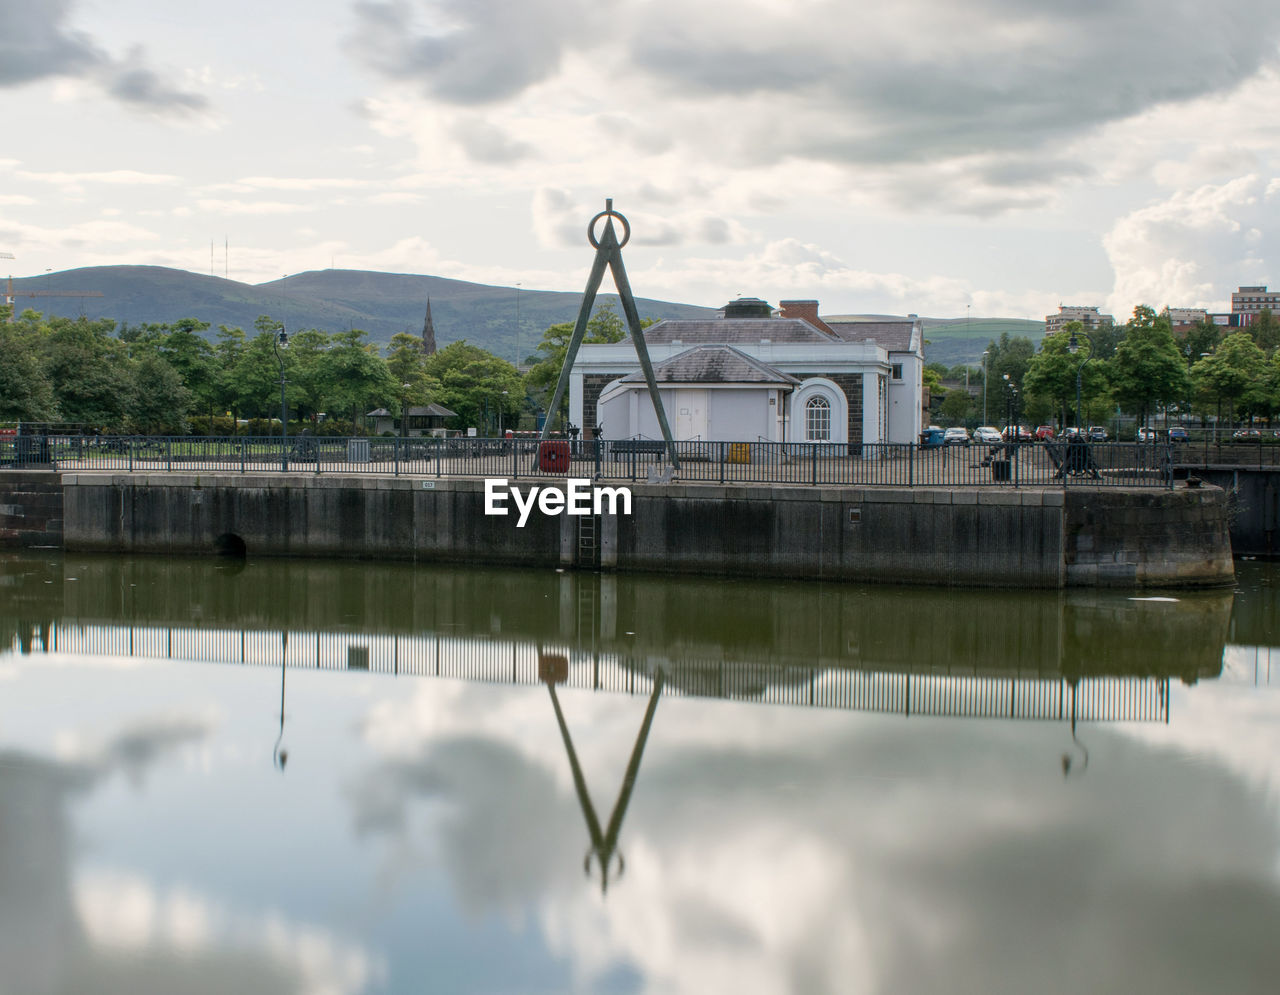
[428, 333]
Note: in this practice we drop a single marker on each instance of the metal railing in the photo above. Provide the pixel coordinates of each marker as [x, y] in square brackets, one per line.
[1020, 464]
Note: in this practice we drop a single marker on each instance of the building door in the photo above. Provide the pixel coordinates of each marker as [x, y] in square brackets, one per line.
[691, 414]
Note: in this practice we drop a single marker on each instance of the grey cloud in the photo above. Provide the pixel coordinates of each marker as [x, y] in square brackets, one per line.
[36, 44]
[140, 87]
[483, 142]
[1021, 76]
[489, 51]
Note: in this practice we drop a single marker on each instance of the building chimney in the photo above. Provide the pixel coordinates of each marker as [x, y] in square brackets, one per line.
[807, 311]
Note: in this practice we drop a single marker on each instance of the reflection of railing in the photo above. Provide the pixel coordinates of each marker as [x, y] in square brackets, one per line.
[968, 695]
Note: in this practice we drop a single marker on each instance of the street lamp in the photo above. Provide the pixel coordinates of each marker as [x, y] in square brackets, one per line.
[985, 354]
[1073, 346]
[281, 341]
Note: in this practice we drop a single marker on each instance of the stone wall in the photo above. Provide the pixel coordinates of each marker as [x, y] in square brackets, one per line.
[959, 537]
[30, 509]
[1134, 538]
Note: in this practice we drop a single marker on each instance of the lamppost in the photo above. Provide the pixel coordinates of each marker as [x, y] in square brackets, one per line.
[985, 354]
[1073, 346]
[404, 410]
[281, 341]
[501, 404]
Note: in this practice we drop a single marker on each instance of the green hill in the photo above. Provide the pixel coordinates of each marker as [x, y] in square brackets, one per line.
[381, 304]
[961, 340]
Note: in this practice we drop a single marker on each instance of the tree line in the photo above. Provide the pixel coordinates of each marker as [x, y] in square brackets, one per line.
[1139, 367]
[175, 379]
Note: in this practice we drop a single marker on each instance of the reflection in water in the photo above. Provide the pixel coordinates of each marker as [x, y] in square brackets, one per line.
[604, 846]
[437, 829]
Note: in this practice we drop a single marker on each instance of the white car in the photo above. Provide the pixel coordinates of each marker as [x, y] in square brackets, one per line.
[985, 435]
[956, 436]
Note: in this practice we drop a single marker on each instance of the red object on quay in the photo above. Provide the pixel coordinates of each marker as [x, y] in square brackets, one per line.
[553, 457]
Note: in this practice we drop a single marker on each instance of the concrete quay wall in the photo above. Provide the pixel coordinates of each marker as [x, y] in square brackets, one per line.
[1026, 537]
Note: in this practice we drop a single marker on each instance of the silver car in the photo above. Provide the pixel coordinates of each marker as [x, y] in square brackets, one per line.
[986, 435]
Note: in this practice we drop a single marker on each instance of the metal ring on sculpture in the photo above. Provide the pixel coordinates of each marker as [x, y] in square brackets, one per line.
[608, 212]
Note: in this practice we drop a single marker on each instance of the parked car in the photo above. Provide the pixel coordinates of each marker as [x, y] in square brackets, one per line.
[1017, 433]
[1147, 435]
[1044, 433]
[1178, 434]
[1246, 435]
[1070, 432]
[986, 435]
[1097, 433]
[956, 436]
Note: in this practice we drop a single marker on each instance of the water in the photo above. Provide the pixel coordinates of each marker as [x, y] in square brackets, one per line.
[498, 781]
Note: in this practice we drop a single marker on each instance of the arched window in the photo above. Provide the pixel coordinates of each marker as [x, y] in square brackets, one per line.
[817, 420]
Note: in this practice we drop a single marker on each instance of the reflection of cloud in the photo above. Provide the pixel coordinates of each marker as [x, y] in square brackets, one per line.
[773, 850]
[138, 746]
[128, 920]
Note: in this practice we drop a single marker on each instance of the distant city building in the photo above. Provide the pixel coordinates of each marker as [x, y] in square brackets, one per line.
[1179, 316]
[1251, 300]
[1087, 316]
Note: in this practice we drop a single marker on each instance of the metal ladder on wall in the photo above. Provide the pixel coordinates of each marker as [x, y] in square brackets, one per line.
[588, 542]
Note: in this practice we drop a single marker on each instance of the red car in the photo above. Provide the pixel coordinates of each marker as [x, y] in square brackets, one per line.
[1044, 433]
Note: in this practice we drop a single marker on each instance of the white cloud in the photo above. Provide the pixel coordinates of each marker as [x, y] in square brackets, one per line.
[1191, 249]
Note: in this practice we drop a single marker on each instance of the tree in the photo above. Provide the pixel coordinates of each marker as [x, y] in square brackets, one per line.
[1147, 369]
[476, 384]
[1051, 374]
[356, 378]
[603, 326]
[1009, 356]
[1228, 372]
[89, 372]
[160, 403]
[1265, 330]
[956, 406]
[25, 391]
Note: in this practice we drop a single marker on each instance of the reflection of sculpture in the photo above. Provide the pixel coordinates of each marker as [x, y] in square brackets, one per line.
[604, 846]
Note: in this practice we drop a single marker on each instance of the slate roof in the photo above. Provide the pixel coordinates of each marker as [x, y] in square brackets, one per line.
[895, 336]
[731, 330]
[714, 364]
[431, 410]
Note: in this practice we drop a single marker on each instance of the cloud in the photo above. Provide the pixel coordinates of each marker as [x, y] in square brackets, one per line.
[483, 142]
[1190, 249]
[37, 44]
[977, 110]
[471, 51]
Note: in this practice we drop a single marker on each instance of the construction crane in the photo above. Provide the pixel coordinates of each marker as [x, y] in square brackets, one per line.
[11, 296]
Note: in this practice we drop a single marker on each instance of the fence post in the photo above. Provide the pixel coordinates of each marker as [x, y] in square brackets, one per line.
[132, 446]
[168, 453]
[515, 459]
[396, 455]
[721, 445]
[911, 465]
[1018, 451]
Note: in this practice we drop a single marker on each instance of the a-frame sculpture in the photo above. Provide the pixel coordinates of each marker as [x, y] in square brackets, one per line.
[609, 253]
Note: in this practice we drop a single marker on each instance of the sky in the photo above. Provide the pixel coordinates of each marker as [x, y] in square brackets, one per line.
[939, 157]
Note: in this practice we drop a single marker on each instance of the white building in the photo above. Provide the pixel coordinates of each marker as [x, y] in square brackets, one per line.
[1087, 316]
[753, 374]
